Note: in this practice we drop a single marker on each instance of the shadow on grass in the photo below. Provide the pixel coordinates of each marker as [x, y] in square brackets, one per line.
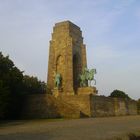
[134, 137]
[5, 123]
[128, 137]
[12, 122]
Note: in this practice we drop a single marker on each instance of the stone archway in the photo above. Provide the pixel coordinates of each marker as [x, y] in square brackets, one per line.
[60, 67]
[76, 71]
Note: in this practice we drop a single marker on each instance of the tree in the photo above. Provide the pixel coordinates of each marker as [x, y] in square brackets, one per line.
[4, 100]
[119, 94]
[138, 105]
[10, 88]
[14, 86]
[31, 85]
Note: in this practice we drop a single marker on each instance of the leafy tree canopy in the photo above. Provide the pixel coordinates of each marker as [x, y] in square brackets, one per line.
[10, 88]
[31, 85]
[13, 87]
[138, 104]
[119, 94]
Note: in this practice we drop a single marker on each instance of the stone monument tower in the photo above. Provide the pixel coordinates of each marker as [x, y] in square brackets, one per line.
[67, 56]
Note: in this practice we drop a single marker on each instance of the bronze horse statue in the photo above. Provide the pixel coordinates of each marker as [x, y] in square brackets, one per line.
[87, 75]
[90, 76]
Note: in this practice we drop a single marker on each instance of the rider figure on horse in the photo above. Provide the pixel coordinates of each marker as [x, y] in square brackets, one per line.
[87, 75]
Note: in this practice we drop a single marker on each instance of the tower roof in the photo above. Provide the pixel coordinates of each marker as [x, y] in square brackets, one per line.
[67, 23]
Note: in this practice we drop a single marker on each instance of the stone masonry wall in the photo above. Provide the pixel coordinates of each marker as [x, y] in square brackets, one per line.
[132, 107]
[102, 106]
[80, 102]
[76, 106]
[105, 106]
[47, 106]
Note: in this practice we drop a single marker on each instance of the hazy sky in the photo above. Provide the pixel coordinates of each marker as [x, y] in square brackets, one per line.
[111, 31]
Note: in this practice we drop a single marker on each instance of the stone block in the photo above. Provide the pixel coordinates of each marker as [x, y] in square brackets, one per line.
[87, 90]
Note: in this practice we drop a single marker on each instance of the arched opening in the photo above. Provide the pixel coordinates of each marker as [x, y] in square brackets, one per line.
[76, 71]
[60, 67]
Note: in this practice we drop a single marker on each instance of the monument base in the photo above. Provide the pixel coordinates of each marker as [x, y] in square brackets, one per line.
[87, 90]
[56, 92]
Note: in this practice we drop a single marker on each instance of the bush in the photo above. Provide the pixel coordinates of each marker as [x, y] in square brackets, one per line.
[4, 100]
[10, 88]
[119, 94]
[138, 105]
[31, 85]
[13, 87]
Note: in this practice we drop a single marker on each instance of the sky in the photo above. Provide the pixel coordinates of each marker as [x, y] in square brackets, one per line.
[111, 31]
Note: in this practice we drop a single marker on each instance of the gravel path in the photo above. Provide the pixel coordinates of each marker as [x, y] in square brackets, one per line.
[77, 129]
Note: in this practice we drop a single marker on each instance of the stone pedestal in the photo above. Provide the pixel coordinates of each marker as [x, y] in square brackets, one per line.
[87, 90]
[56, 92]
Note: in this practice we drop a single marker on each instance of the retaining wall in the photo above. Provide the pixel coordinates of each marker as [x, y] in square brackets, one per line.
[69, 106]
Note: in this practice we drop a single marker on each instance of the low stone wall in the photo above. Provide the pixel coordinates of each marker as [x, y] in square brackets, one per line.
[132, 107]
[47, 106]
[80, 102]
[106, 106]
[102, 106]
[120, 107]
[76, 106]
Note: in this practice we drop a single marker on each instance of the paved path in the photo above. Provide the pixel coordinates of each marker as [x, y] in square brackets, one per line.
[78, 129]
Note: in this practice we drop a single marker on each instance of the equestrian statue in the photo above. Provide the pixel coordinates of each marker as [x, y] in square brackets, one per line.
[87, 76]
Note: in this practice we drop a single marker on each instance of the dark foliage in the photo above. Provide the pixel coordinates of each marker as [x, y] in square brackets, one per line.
[31, 85]
[10, 88]
[13, 87]
[4, 100]
[138, 104]
[119, 94]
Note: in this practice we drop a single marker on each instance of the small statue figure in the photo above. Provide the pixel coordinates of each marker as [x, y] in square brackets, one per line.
[57, 80]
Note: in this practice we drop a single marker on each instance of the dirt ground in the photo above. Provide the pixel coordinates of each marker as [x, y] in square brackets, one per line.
[77, 129]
